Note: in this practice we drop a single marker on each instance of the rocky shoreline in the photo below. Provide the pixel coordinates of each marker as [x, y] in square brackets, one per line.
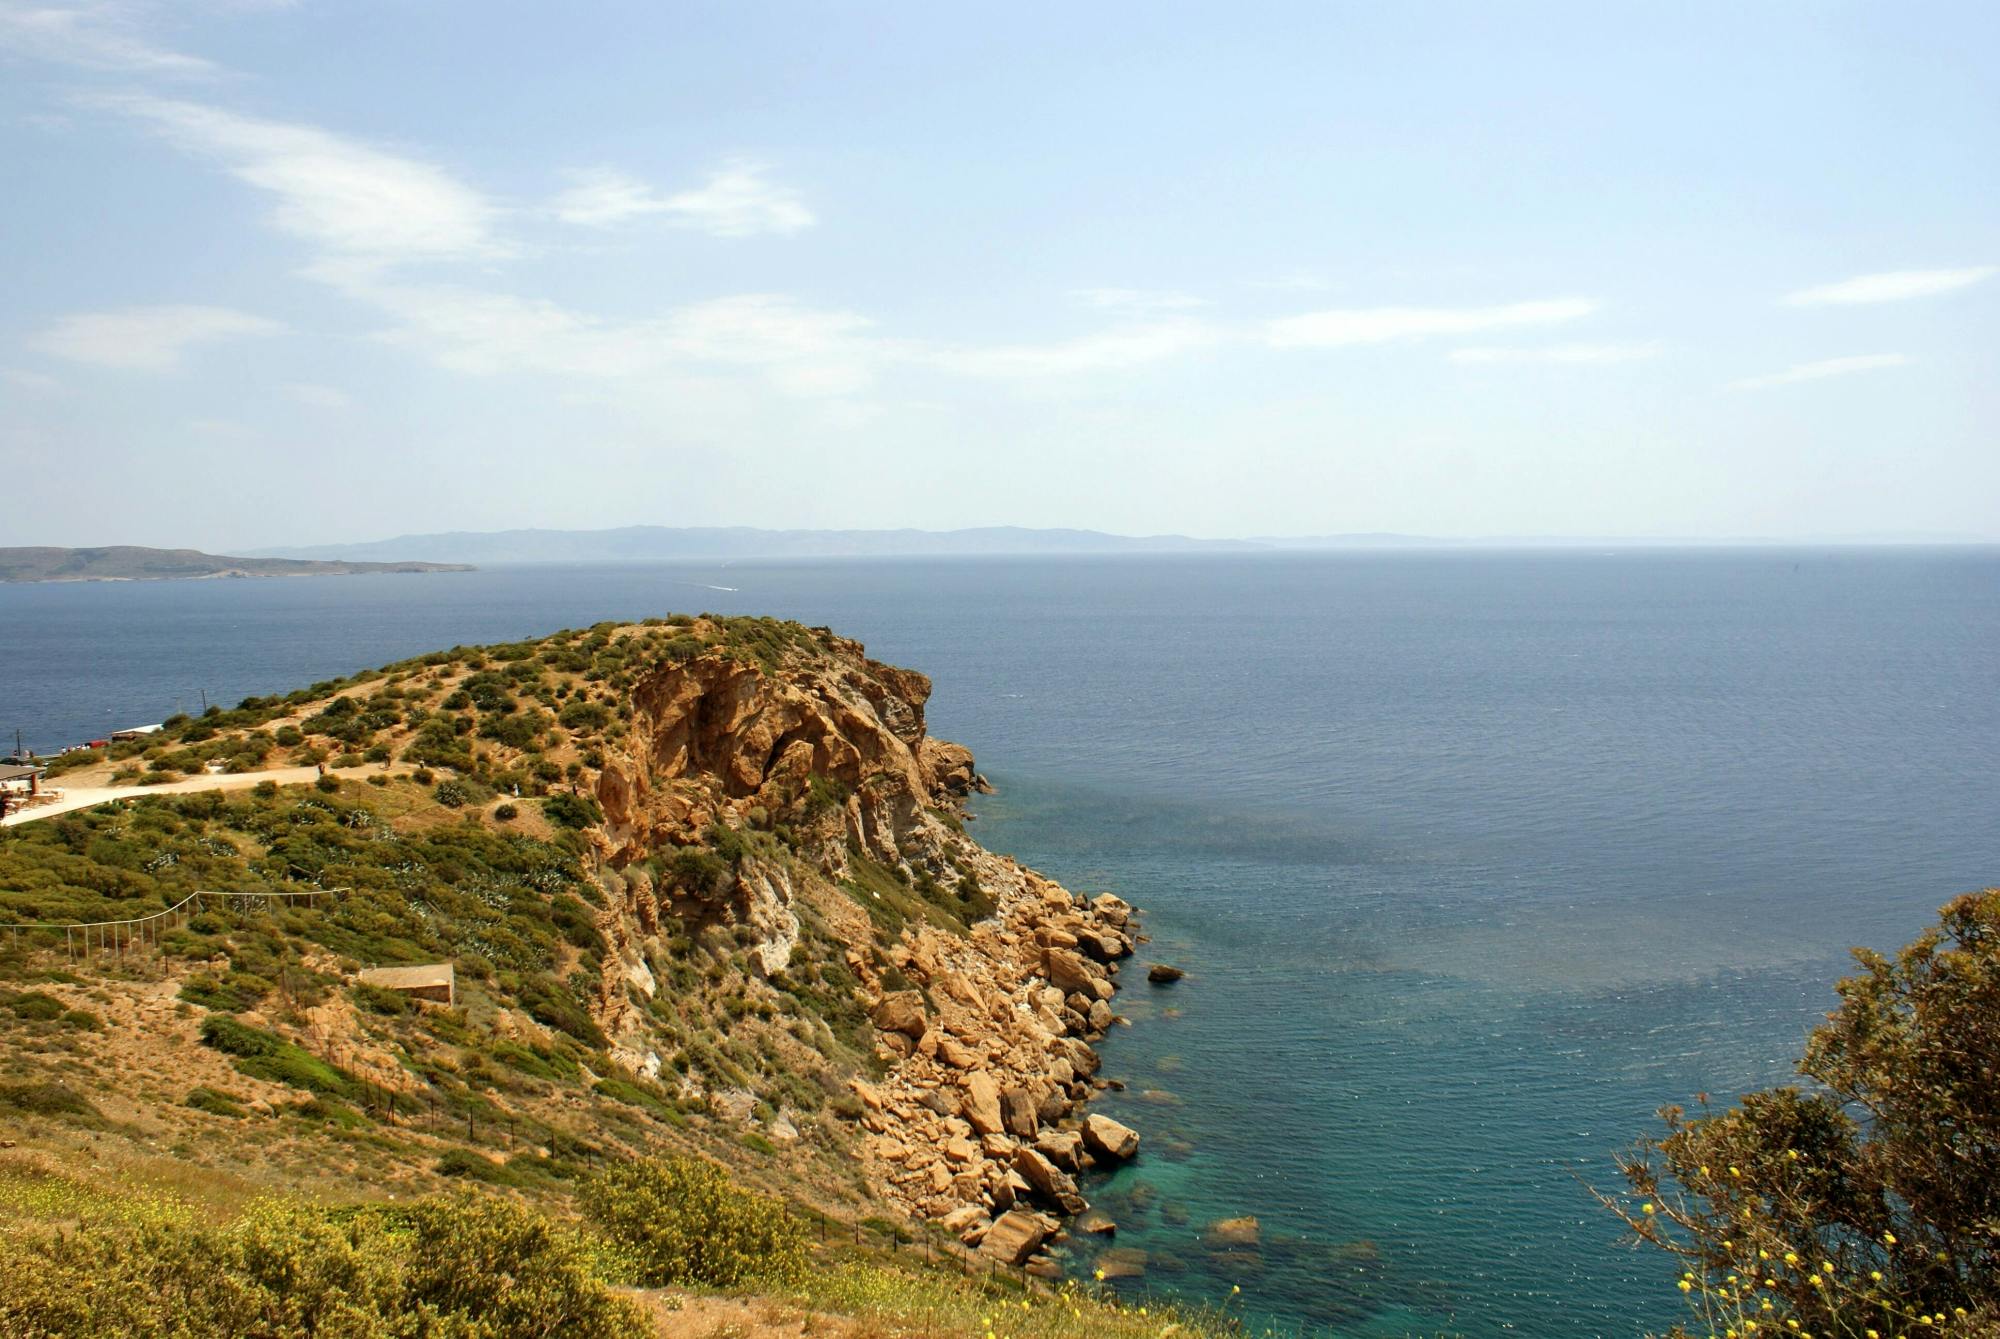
[980, 1123]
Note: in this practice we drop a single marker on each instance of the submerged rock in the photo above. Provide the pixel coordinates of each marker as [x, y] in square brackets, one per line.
[1243, 1231]
[1122, 1262]
[1161, 974]
[1095, 1222]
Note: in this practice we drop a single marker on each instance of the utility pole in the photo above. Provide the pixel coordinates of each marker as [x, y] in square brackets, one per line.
[204, 702]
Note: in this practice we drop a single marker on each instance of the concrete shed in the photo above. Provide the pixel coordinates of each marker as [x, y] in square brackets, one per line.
[433, 981]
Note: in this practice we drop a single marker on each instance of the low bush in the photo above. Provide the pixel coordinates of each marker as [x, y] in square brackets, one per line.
[460, 1266]
[267, 1056]
[215, 1103]
[682, 1221]
[43, 1099]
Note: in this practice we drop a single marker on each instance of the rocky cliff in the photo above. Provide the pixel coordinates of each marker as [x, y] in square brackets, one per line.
[985, 982]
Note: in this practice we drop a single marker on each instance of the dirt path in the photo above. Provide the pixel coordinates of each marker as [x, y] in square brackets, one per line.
[82, 797]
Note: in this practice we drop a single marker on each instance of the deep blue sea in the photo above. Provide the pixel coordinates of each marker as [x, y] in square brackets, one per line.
[1474, 859]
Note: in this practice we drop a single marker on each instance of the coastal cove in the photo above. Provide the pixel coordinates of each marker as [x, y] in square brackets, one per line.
[1473, 859]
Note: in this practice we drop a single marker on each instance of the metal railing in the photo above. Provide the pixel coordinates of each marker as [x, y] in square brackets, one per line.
[86, 937]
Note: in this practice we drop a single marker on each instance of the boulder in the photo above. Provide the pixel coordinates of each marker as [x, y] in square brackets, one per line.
[1062, 1147]
[1017, 1113]
[1111, 909]
[967, 1218]
[901, 1011]
[1048, 1181]
[1103, 945]
[1108, 1139]
[1101, 1017]
[1161, 974]
[982, 1103]
[1067, 971]
[1014, 1236]
[956, 1053]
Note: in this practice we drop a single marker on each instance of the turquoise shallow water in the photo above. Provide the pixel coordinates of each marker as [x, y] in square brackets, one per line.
[1474, 859]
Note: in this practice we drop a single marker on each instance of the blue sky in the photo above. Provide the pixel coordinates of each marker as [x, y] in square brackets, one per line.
[290, 273]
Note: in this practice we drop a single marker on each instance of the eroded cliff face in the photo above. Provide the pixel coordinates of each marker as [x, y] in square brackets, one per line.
[799, 808]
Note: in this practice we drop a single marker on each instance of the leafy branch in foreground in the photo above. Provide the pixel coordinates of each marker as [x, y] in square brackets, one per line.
[1866, 1205]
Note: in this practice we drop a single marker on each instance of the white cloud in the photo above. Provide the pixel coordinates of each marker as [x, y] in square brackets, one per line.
[1892, 286]
[1135, 301]
[1108, 351]
[319, 397]
[1830, 367]
[34, 383]
[740, 200]
[1381, 325]
[350, 198]
[1557, 353]
[102, 36]
[802, 350]
[147, 339]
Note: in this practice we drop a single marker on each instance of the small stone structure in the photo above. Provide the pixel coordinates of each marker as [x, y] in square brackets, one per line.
[433, 981]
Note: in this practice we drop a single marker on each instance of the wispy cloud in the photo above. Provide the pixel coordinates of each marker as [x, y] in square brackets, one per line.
[1892, 286]
[147, 339]
[1382, 325]
[740, 200]
[319, 397]
[347, 197]
[1106, 351]
[1830, 367]
[33, 383]
[1135, 301]
[101, 36]
[1557, 353]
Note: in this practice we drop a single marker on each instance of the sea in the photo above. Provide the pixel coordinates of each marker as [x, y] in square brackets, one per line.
[1474, 859]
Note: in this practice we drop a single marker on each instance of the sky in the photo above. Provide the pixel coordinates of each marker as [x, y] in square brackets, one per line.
[289, 273]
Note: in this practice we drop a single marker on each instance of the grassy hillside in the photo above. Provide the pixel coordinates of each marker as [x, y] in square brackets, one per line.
[677, 977]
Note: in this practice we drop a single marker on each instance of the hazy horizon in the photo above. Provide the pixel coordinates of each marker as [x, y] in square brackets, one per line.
[286, 274]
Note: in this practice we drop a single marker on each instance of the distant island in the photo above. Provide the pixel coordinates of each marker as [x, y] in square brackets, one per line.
[742, 543]
[126, 562]
[639, 543]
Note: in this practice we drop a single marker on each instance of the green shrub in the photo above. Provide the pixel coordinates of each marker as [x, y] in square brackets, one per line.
[1870, 1197]
[451, 795]
[43, 1099]
[572, 811]
[463, 1267]
[505, 813]
[34, 1006]
[377, 1000]
[684, 1222]
[267, 1056]
[215, 1103]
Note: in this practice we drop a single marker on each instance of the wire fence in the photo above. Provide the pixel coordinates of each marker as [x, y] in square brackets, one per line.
[83, 938]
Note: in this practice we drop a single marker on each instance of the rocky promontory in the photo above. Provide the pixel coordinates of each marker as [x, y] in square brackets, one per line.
[985, 983]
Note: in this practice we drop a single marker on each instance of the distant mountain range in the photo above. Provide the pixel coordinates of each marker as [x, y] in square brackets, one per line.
[643, 542]
[640, 543]
[124, 562]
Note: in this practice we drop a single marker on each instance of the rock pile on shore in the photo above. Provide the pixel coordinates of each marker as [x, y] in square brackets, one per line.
[978, 1124]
